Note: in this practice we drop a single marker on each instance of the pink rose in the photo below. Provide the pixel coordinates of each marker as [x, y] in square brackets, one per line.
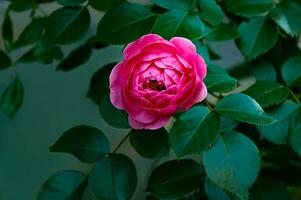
[156, 79]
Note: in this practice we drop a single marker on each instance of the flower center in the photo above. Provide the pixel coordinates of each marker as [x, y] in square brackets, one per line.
[154, 84]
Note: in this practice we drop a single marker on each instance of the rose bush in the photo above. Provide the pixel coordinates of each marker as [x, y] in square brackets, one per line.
[156, 79]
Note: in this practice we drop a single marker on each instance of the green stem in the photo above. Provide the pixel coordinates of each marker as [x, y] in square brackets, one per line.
[294, 96]
[208, 105]
[121, 143]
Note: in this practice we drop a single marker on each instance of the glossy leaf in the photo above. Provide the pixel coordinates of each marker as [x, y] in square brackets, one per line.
[267, 93]
[243, 108]
[248, 8]
[222, 32]
[7, 30]
[194, 131]
[12, 98]
[175, 179]
[113, 177]
[287, 15]
[211, 12]
[32, 33]
[180, 23]
[113, 116]
[84, 142]
[70, 2]
[225, 165]
[63, 185]
[150, 144]
[262, 38]
[21, 5]
[288, 115]
[218, 80]
[76, 58]
[264, 71]
[202, 50]
[291, 71]
[67, 24]
[295, 138]
[105, 5]
[4, 60]
[228, 124]
[176, 4]
[214, 192]
[126, 23]
[99, 84]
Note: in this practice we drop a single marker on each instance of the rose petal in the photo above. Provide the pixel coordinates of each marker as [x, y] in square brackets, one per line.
[116, 86]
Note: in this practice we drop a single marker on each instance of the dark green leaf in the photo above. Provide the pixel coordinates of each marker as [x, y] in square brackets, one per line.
[46, 52]
[243, 108]
[202, 50]
[218, 80]
[295, 139]
[262, 38]
[21, 5]
[194, 131]
[175, 179]
[176, 4]
[211, 12]
[269, 189]
[180, 23]
[113, 177]
[288, 115]
[32, 33]
[12, 98]
[63, 185]
[225, 165]
[99, 85]
[126, 23]
[7, 30]
[212, 54]
[291, 71]
[264, 71]
[105, 5]
[84, 142]
[150, 144]
[267, 93]
[67, 25]
[4, 60]
[70, 2]
[111, 115]
[27, 57]
[76, 58]
[222, 32]
[248, 8]
[287, 16]
[228, 124]
[214, 192]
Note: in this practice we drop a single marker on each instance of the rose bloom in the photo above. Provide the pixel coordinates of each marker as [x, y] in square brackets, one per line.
[156, 79]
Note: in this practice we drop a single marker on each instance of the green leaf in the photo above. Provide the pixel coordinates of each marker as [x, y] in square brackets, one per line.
[21, 5]
[105, 5]
[175, 179]
[99, 84]
[243, 108]
[291, 71]
[264, 71]
[248, 8]
[32, 33]
[176, 4]
[288, 115]
[150, 144]
[70, 2]
[46, 52]
[225, 165]
[180, 23]
[269, 189]
[27, 57]
[267, 93]
[295, 139]
[218, 80]
[76, 58]
[126, 23]
[287, 15]
[211, 12]
[4, 60]
[84, 142]
[214, 192]
[202, 50]
[113, 177]
[222, 32]
[194, 131]
[67, 25]
[113, 116]
[7, 30]
[63, 185]
[228, 124]
[262, 38]
[12, 98]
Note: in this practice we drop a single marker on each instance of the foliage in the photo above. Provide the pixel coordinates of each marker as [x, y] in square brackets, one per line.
[239, 140]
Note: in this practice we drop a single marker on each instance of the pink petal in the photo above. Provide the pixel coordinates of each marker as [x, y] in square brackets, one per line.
[116, 86]
[184, 45]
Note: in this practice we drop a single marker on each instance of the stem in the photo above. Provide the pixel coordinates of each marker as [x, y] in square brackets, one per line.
[121, 143]
[294, 96]
[209, 106]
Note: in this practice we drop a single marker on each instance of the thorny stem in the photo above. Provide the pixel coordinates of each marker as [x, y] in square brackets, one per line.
[294, 96]
[121, 143]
